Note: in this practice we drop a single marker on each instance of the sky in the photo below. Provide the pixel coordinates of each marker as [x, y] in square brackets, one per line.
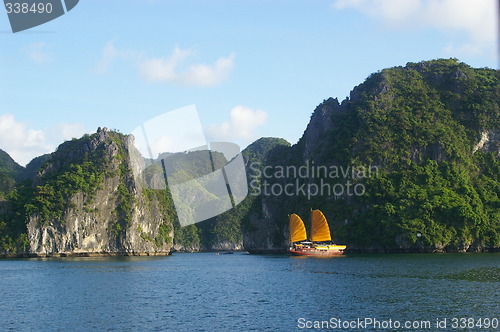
[252, 68]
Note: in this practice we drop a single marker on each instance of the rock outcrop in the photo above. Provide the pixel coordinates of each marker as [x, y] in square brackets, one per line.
[430, 130]
[417, 124]
[116, 217]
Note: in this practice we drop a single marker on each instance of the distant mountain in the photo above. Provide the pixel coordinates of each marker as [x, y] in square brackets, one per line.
[31, 169]
[225, 232]
[9, 172]
[8, 165]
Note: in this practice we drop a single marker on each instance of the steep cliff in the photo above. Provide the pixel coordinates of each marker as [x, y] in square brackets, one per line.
[409, 162]
[420, 144]
[86, 201]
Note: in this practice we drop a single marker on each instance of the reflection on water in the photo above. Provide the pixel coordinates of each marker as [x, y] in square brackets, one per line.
[207, 292]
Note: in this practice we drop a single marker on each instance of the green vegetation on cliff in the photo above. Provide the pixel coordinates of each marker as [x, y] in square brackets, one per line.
[66, 173]
[9, 172]
[432, 129]
[225, 232]
[87, 182]
[48, 195]
[421, 124]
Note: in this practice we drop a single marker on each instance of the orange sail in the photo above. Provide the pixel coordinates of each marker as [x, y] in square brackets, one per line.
[319, 230]
[297, 229]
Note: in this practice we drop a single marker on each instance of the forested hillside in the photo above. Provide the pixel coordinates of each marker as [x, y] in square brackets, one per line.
[410, 162]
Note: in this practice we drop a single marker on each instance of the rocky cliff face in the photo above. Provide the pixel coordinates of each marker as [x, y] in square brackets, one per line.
[489, 142]
[430, 129]
[266, 232]
[115, 216]
[408, 122]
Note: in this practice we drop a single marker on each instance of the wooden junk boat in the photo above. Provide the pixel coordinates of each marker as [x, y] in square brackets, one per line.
[320, 244]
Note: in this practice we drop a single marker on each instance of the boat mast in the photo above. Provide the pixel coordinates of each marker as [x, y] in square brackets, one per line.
[311, 225]
[289, 233]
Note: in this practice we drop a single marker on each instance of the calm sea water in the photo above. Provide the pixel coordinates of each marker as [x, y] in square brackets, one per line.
[241, 292]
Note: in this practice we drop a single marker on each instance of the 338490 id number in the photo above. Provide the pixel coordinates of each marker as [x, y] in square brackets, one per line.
[25, 8]
[474, 323]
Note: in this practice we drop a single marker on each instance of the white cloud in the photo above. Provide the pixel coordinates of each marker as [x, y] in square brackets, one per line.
[37, 52]
[23, 144]
[171, 69]
[474, 22]
[241, 126]
[204, 75]
[110, 54]
[174, 69]
[163, 69]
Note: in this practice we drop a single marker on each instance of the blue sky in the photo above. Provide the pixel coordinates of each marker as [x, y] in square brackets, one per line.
[252, 68]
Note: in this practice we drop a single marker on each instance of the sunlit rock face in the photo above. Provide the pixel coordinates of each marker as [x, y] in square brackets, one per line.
[118, 216]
